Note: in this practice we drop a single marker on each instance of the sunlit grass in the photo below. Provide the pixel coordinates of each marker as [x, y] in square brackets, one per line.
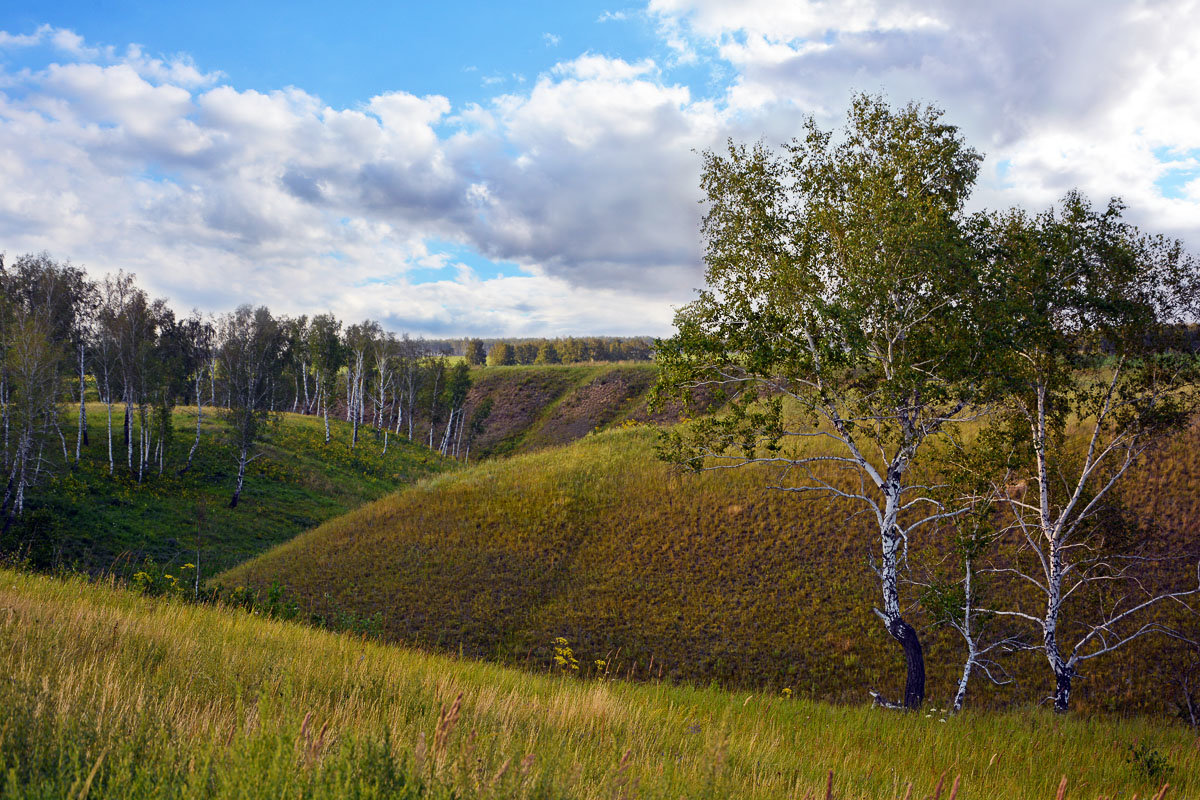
[154, 699]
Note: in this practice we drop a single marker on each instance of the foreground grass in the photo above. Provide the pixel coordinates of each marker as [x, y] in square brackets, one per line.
[84, 517]
[107, 694]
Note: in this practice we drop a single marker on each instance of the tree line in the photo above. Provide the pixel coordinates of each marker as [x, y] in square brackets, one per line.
[64, 336]
[984, 379]
[562, 350]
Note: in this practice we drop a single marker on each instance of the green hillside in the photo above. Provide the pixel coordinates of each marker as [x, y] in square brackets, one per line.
[85, 518]
[109, 695]
[696, 578]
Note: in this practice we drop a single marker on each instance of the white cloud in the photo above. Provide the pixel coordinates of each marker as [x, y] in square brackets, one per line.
[1071, 94]
[587, 178]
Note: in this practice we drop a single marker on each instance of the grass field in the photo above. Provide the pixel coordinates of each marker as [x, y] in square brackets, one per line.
[694, 578]
[86, 518]
[106, 694]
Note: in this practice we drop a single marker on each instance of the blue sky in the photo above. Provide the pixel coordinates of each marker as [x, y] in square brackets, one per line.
[532, 169]
[347, 52]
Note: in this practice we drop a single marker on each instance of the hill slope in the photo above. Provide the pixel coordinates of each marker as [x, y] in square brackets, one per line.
[86, 518]
[106, 694]
[710, 577]
[520, 409]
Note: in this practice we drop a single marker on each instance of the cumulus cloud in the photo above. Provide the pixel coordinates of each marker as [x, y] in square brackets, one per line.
[586, 178]
[1074, 94]
[217, 196]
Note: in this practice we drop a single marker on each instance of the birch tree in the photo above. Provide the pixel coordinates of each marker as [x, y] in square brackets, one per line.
[837, 278]
[458, 384]
[412, 355]
[251, 355]
[326, 354]
[1098, 369]
[360, 345]
[969, 472]
[198, 337]
[34, 322]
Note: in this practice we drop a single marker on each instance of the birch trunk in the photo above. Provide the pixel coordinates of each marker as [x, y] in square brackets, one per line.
[458, 441]
[108, 404]
[241, 478]
[199, 417]
[897, 627]
[326, 404]
[81, 436]
[4, 411]
[128, 433]
[304, 382]
[960, 694]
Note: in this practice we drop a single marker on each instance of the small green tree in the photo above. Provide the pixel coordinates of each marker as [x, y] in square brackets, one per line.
[252, 357]
[475, 352]
[327, 355]
[502, 354]
[838, 278]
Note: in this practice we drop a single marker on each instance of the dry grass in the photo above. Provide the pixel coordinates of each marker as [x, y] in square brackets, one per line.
[106, 694]
[695, 578]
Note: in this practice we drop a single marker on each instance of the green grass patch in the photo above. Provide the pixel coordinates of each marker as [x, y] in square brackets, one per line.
[85, 518]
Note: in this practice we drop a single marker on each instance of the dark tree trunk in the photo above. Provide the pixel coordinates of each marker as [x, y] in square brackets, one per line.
[914, 683]
[1062, 689]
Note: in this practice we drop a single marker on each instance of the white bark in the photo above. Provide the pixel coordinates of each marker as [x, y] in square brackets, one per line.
[108, 405]
[199, 418]
[82, 405]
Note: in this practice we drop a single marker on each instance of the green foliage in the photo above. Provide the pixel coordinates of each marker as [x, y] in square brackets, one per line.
[1148, 763]
[475, 353]
[502, 354]
[548, 354]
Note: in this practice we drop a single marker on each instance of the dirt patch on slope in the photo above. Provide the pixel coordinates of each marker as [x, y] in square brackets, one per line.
[592, 406]
[505, 405]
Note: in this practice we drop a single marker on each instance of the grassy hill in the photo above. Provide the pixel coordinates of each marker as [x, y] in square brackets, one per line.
[106, 694]
[86, 518]
[696, 578]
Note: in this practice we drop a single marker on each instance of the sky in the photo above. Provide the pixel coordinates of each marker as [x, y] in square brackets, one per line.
[532, 169]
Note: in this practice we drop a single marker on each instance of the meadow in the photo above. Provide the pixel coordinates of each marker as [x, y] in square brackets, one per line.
[110, 694]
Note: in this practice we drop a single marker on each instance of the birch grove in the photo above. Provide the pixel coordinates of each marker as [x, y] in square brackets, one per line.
[65, 340]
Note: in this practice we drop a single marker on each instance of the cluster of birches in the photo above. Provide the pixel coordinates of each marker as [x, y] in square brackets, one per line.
[984, 377]
[66, 338]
